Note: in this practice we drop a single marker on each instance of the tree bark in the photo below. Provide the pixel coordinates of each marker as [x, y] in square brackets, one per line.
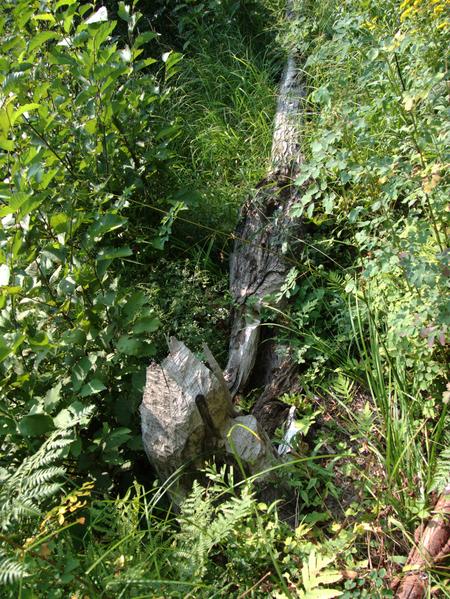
[433, 548]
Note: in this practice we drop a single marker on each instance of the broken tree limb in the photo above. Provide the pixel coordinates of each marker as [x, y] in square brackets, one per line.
[432, 549]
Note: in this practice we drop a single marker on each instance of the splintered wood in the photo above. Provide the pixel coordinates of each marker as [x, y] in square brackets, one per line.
[187, 416]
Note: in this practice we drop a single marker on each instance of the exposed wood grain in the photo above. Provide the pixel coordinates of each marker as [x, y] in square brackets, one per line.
[187, 415]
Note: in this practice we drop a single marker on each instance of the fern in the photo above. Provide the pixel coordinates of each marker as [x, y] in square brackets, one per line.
[11, 570]
[205, 524]
[193, 543]
[441, 476]
[24, 490]
[315, 574]
[22, 495]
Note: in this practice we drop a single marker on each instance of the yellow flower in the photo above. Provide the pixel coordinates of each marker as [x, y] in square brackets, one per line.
[404, 4]
[405, 13]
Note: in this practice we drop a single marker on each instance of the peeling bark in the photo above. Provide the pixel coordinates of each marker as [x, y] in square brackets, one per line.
[433, 548]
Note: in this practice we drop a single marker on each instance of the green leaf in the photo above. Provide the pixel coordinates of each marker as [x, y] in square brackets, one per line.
[143, 38]
[146, 325]
[117, 437]
[44, 17]
[80, 372]
[74, 337]
[135, 443]
[5, 350]
[52, 397]
[124, 11]
[129, 346]
[60, 222]
[22, 109]
[35, 425]
[57, 57]
[171, 59]
[104, 224]
[76, 413]
[76, 448]
[92, 387]
[321, 594]
[6, 144]
[39, 341]
[40, 38]
[313, 575]
[135, 302]
[64, 3]
[5, 119]
[112, 253]
[141, 64]
[99, 16]
[11, 290]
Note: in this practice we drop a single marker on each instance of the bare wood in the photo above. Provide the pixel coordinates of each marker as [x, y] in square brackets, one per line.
[187, 414]
[433, 547]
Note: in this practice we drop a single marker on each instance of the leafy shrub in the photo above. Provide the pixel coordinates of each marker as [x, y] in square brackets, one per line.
[81, 137]
[375, 167]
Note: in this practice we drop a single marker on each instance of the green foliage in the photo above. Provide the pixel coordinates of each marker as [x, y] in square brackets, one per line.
[441, 476]
[25, 489]
[223, 541]
[225, 100]
[376, 167]
[116, 163]
[191, 304]
[81, 136]
[369, 307]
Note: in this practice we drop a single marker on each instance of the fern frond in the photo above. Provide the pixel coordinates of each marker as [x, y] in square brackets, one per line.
[11, 570]
[27, 486]
[42, 476]
[442, 471]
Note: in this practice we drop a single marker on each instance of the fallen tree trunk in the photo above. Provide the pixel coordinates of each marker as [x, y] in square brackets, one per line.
[187, 409]
[258, 265]
[432, 549]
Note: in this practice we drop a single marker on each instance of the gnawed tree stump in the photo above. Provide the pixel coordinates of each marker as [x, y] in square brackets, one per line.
[432, 549]
[187, 416]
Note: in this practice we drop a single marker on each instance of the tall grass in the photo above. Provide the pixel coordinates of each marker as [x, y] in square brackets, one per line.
[225, 102]
[409, 441]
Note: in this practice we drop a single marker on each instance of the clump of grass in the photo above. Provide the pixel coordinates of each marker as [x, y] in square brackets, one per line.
[225, 103]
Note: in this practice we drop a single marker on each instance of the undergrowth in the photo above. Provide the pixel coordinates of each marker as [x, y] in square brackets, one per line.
[123, 175]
